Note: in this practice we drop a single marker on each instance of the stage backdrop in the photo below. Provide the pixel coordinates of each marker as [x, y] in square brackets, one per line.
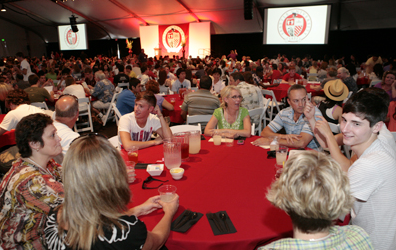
[170, 37]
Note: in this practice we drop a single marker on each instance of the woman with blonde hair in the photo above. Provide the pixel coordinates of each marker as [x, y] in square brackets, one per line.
[230, 117]
[4, 89]
[314, 191]
[94, 214]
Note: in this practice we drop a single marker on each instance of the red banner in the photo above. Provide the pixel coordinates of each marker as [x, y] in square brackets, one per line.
[172, 38]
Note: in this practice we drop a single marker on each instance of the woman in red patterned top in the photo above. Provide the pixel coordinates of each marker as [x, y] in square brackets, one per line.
[32, 187]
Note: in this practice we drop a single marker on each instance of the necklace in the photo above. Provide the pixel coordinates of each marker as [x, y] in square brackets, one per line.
[45, 169]
[323, 238]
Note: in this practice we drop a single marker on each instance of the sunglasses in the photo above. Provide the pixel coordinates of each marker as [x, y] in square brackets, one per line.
[149, 179]
[89, 135]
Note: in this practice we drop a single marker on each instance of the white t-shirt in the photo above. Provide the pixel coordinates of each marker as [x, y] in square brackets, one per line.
[217, 87]
[143, 79]
[14, 116]
[373, 183]
[26, 65]
[128, 124]
[66, 134]
[78, 91]
[176, 85]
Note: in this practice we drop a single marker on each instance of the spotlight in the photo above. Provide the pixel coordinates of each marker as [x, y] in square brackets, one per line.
[3, 9]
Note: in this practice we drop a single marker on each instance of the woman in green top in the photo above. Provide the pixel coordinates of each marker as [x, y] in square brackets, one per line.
[230, 116]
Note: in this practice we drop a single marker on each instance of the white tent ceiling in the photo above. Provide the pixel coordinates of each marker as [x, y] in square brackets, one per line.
[110, 19]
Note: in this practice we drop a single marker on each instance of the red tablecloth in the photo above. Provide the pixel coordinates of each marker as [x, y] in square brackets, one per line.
[175, 115]
[8, 138]
[234, 179]
[281, 91]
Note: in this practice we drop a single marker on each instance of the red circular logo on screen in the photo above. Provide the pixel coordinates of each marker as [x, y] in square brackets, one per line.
[71, 38]
[172, 38]
[294, 25]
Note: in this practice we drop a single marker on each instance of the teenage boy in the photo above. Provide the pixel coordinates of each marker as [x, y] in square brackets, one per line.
[135, 128]
[372, 175]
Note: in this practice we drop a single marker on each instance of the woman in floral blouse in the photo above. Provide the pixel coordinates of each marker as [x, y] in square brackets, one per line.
[32, 186]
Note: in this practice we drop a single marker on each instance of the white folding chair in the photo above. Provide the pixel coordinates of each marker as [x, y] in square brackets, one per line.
[113, 100]
[117, 113]
[194, 88]
[114, 141]
[198, 118]
[349, 95]
[84, 113]
[41, 105]
[185, 128]
[257, 112]
[313, 76]
[373, 83]
[252, 130]
[272, 104]
[123, 84]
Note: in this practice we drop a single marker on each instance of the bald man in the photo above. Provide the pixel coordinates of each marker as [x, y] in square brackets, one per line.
[66, 114]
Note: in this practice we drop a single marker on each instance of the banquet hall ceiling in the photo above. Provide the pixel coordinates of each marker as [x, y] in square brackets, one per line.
[110, 19]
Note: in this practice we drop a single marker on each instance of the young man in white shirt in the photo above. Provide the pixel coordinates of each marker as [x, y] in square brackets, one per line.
[135, 128]
[371, 171]
[25, 66]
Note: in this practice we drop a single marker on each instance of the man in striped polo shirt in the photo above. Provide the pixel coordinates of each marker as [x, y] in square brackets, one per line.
[201, 102]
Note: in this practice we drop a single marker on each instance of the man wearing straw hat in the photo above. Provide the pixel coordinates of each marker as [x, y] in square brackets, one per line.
[336, 92]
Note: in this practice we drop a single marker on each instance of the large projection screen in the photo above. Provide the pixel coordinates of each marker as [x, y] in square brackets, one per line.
[68, 40]
[297, 25]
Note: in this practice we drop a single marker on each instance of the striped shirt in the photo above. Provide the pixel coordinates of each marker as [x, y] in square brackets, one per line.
[285, 119]
[347, 237]
[201, 102]
[373, 183]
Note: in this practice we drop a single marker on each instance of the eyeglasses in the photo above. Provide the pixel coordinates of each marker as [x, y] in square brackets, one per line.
[75, 97]
[89, 135]
[237, 97]
[149, 179]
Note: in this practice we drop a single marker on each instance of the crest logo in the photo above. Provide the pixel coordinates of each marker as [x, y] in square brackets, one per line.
[294, 25]
[71, 38]
[172, 38]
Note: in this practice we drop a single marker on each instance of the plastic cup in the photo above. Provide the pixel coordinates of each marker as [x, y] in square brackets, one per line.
[217, 137]
[130, 167]
[228, 138]
[281, 155]
[278, 170]
[133, 154]
[173, 101]
[167, 192]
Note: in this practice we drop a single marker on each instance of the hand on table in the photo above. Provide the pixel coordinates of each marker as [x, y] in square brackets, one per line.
[150, 205]
[262, 142]
[157, 140]
[291, 138]
[171, 206]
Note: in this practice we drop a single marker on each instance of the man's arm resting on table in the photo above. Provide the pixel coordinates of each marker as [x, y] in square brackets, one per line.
[287, 140]
[127, 143]
[164, 131]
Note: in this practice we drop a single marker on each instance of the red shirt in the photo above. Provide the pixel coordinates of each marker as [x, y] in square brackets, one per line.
[287, 77]
[276, 74]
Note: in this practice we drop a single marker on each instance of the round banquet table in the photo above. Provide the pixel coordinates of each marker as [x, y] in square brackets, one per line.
[280, 91]
[8, 138]
[234, 179]
[175, 115]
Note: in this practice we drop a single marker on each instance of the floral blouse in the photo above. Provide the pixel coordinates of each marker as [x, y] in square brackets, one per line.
[27, 194]
[238, 124]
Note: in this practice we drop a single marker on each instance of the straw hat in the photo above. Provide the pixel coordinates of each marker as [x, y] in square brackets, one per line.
[336, 90]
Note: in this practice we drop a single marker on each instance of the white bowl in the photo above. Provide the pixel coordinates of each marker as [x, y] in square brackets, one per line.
[177, 173]
[155, 169]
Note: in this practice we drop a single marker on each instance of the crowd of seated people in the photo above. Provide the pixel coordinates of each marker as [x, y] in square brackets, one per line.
[237, 86]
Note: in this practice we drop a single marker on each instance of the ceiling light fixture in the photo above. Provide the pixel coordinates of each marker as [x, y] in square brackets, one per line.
[3, 9]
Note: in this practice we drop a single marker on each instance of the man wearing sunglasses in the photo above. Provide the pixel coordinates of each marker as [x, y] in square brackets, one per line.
[136, 128]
